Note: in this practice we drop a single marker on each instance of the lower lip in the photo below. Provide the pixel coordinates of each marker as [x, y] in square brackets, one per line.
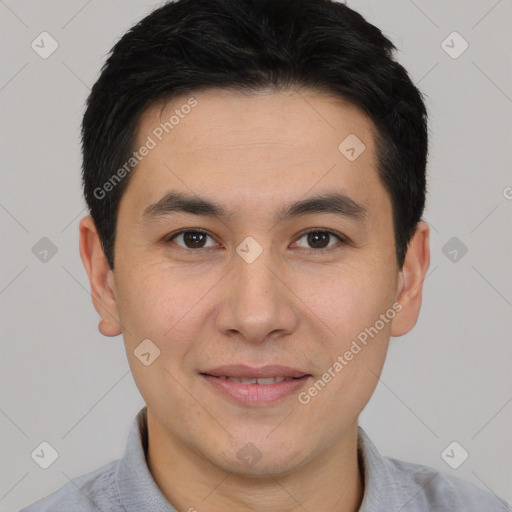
[256, 394]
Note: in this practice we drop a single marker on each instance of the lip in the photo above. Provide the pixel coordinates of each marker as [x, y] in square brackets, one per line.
[256, 394]
[242, 371]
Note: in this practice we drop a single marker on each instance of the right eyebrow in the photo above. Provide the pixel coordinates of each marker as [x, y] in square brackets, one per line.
[181, 202]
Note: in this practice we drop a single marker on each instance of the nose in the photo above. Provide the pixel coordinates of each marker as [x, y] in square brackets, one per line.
[258, 303]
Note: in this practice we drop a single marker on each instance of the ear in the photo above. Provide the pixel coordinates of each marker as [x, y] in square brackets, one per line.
[410, 280]
[101, 278]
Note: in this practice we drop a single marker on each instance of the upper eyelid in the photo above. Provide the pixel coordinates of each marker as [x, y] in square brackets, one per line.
[342, 238]
[170, 237]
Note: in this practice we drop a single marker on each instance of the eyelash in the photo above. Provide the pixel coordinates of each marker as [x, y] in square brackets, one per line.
[342, 239]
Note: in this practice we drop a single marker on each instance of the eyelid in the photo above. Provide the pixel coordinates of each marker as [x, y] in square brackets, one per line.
[170, 238]
[343, 240]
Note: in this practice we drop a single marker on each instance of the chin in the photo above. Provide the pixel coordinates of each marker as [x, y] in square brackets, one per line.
[275, 468]
[260, 459]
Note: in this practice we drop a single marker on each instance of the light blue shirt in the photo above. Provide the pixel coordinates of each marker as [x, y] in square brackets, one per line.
[390, 485]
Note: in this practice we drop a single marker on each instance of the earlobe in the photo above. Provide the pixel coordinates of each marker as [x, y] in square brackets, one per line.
[101, 278]
[410, 280]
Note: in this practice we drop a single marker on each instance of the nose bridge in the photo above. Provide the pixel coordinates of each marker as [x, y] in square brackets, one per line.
[257, 302]
[252, 270]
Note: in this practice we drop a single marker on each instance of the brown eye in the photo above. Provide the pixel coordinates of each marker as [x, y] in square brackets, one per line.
[320, 239]
[191, 239]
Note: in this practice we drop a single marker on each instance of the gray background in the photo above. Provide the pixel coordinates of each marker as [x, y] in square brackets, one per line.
[448, 380]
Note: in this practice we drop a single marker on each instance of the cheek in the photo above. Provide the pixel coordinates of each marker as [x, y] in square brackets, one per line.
[156, 303]
[345, 301]
[352, 332]
[170, 310]
[157, 306]
[355, 356]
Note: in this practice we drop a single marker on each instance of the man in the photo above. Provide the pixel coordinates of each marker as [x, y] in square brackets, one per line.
[255, 173]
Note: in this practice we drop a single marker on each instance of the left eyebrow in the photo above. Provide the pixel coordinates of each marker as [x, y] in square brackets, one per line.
[335, 203]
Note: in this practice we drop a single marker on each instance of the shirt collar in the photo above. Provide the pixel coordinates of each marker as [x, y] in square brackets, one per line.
[137, 488]
[379, 482]
[139, 492]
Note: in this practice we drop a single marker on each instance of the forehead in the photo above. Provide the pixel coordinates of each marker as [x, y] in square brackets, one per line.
[245, 148]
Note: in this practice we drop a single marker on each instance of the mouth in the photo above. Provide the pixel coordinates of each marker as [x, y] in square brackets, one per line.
[242, 371]
[264, 381]
[251, 386]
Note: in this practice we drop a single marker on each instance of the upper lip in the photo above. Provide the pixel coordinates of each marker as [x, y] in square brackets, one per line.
[242, 371]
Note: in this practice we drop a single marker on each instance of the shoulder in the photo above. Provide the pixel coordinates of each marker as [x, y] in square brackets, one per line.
[425, 488]
[91, 492]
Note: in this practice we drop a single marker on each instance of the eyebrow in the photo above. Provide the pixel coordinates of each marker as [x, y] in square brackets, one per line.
[335, 203]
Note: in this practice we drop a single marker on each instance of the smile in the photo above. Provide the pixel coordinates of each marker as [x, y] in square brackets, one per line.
[255, 391]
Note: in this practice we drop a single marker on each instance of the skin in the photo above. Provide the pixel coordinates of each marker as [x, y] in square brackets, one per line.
[296, 304]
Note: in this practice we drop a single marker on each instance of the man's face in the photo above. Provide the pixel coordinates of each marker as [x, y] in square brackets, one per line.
[256, 290]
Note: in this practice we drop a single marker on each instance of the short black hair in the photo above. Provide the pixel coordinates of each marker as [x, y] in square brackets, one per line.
[252, 45]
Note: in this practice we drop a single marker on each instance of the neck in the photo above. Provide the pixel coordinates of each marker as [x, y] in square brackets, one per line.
[330, 481]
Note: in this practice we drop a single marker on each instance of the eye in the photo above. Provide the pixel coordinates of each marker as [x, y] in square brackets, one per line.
[191, 239]
[321, 238]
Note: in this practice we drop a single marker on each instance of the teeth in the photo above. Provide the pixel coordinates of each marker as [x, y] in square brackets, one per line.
[270, 380]
[264, 381]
